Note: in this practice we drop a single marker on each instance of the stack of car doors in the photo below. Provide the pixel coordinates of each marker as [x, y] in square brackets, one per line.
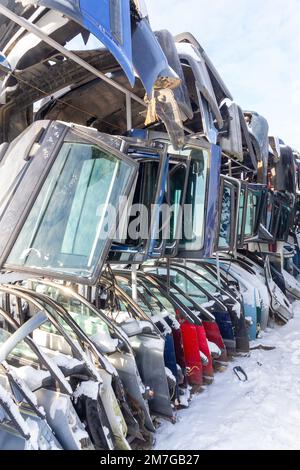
[147, 341]
[146, 309]
[45, 209]
[226, 312]
[166, 314]
[23, 424]
[40, 385]
[150, 225]
[252, 213]
[195, 320]
[89, 166]
[120, 405]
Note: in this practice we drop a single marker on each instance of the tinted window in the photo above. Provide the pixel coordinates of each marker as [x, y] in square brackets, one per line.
[70, 221]
[226, 220]
[252, 203]
[116, 20]
[194, 213]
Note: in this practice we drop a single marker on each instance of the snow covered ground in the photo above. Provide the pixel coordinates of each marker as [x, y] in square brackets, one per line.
[263, 413]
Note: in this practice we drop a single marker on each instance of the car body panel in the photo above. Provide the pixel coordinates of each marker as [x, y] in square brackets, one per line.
[152, 67]
[108, 21]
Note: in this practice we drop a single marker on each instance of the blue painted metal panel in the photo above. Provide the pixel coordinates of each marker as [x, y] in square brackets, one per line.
[149, 59]
[224, 323]
[108, 20]
[170, 356]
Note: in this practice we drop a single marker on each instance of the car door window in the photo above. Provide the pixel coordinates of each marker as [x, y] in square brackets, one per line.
[226, 220]
[194, 213]
[252, 203]
[69, 224]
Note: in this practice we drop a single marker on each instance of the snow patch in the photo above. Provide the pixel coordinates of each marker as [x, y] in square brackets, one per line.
[170, 375]
[67, 362]
[8, 402]
[237, 309]
[88, 389]
[208, 305]
[105, 342]
[214, 349]
[261, 414]
[204, 359]
[33, 378]
[185, 397]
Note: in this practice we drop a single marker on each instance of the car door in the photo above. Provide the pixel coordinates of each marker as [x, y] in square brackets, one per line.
[63, 195]
[201, 203]
[257, 200]
[141, 224]
[225, 237]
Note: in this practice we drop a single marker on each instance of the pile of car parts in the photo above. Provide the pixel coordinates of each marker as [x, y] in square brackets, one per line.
[127, 280]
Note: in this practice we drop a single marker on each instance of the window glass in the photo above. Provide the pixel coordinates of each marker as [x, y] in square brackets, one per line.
[186, 285]
[115, 7]
[241, 213]
[226, 220]
[126, 287]
[201, 281]
[144, 195]
[203, 272]
[176, 188]
[71, 219]
[269, 212]
[274, 217]
[284, 223]
[189, 288]
[194, 213]
[86, 319]
[181, 298]
[121, 313]
[252, 202]
[161, 298]
[151, 300]
[22, 355]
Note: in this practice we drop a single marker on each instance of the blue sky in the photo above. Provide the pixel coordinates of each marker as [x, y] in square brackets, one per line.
[255, 45]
